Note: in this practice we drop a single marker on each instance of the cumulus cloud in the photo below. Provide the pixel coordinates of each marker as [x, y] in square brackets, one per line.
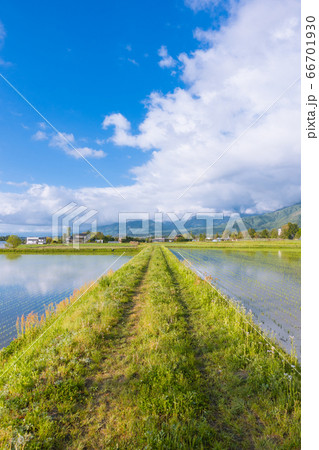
[122, 129]
[36, 204]
[227, 86]
[166, 60]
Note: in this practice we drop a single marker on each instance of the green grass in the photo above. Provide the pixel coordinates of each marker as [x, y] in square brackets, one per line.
[252, 244]
[152, 357]
[83, 249]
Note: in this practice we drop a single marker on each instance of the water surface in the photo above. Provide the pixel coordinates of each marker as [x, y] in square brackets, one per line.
[265, 282]
[28, 283]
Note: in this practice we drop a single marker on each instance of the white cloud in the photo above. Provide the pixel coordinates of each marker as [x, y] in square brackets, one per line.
[133, 61]
[204, 36]
[40, 136]
[198, 5]
[100, 141]
[88, 152]
[66, 142]
[167, 61]
[63, 141]
[3, 34]
[13, 183]
[4, 63]
[227, 86]
[122, 134]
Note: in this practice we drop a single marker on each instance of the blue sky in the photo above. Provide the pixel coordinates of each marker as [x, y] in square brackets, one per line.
[151, 93]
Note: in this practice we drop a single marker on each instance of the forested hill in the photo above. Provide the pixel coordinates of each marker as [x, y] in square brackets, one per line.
[275, 219]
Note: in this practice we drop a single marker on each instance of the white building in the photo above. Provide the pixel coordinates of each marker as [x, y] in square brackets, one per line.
[32, 240]
[36, 240]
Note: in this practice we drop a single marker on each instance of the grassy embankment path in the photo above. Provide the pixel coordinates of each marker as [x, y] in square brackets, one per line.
[151, 357]
[83, 249]
[242, 244]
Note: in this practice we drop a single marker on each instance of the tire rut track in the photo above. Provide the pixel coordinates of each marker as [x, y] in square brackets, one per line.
[197, 349]
[109, 379]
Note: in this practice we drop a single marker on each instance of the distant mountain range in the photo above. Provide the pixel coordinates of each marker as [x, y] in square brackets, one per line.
[259, 222]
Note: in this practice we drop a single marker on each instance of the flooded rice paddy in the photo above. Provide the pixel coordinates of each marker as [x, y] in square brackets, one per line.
[265, 282]
[29, 283]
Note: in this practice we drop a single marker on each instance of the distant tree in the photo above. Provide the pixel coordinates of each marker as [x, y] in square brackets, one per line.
[252, 233]
[181, 238]
[264, 234]
[234, 235]
[293, 230]
[274, 233]
[49, 240]
[298, 234]
[289, 231]
[126, 240]
[13, 241]
[96, 236]
[240, 235]
[108, 238]
[202, 236]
